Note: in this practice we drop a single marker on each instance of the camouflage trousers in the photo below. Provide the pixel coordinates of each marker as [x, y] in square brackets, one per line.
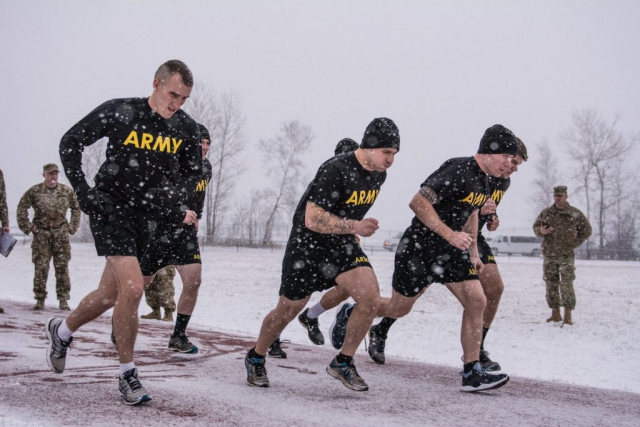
[49, 244]
[161, 292]
[559, 274]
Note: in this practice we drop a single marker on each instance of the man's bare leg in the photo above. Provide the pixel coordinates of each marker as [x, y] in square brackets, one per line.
[333, 297]
[275, 322]
[191, 275]
[493, 288]
[471, 296]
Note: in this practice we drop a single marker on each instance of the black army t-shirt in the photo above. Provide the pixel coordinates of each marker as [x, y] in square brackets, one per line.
[497, 188]
[341, 187]
[144, 150]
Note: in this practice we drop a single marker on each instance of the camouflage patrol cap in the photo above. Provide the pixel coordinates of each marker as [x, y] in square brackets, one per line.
[50, 167]
[560, 190]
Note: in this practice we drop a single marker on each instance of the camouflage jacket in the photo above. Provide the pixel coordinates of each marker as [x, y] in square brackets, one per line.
[570, 229]
[4, 212]
[50, 206]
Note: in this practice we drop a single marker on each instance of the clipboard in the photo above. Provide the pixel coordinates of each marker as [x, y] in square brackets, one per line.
[7, 242]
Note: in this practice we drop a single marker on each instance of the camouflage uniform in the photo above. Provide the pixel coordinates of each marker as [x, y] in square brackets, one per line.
[570, 229]
[161, 292]
[51, 234]
[4, 212]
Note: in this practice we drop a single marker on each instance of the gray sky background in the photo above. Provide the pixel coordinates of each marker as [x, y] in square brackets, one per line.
[444, 71]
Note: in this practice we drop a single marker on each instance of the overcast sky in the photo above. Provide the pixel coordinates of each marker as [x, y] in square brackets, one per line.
[443, 71]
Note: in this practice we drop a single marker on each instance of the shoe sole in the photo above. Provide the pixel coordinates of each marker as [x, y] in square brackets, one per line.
[48, 351]
[340, 378]
[484, 387]
[144, 398]
[333, 325]
[308, 332]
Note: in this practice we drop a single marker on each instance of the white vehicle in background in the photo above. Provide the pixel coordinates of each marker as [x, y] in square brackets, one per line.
[510, 245]
[391, 244]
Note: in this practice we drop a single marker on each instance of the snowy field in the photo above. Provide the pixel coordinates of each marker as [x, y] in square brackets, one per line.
[241, 286]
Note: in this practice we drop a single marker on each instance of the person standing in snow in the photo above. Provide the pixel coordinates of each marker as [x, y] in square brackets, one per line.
[153, 162]
[563, 228]
[50, 202]
[322, 250]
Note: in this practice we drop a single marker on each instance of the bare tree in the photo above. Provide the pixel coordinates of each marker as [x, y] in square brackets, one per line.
[221, 113]
[547, 176]
[227, 146]
[284, 167]
[246, 224]
[599, 150]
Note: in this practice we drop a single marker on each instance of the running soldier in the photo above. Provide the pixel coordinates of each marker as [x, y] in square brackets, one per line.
[309, 317]
[4, 211]
[160, 295]
[50, 201]
[322, 250]
[175, 242]
[563, 228]
[489, 276]
[153, 157]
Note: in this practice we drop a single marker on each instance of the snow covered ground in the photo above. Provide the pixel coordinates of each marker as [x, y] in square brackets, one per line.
[241, 285]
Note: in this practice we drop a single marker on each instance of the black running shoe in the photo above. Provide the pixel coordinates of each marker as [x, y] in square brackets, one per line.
[132, 391]
[347, 374]
[57, 350]
[275, 350]
[488, 364]
[182, 344]
[256, 372]
[339, 326]
[376, 345]
[311, 325]
[479, 380]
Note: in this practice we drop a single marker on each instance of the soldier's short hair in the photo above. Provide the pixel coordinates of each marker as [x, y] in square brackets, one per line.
[522, 149]
[171, 67]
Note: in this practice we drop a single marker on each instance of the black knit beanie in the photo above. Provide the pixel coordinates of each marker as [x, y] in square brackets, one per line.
[346, 145]
[381, 133]
[204, 133]
[498, 140]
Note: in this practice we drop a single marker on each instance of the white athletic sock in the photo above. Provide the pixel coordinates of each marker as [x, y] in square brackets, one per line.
[316, 311]
[64, 333]
[124, 367]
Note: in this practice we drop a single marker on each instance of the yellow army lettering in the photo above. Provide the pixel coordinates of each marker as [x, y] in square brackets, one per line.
[196, 256]
[491, 258]
[202, 185]
[161, 143]
[363, 197]
[472, 271]
[497, 195]
[475, 199]
[361, 259]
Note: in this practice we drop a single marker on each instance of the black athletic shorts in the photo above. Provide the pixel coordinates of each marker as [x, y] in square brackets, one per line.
[484, 251]
[308, 269]
[172, 244]
[423, 258]
[122, 232]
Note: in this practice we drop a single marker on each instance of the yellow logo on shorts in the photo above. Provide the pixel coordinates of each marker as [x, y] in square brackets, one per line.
[196, 256]
[491, 258]
[362, 259]
[472, 271]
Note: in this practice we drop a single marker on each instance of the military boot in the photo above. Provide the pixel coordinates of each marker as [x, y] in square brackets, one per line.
[64, 305]
[555, 315]
[39, 305]
[168, 315]
[567, 317]
[154, 315]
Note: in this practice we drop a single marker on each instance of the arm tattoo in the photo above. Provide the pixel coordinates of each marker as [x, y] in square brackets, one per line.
[429, 194]
[328, 223]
